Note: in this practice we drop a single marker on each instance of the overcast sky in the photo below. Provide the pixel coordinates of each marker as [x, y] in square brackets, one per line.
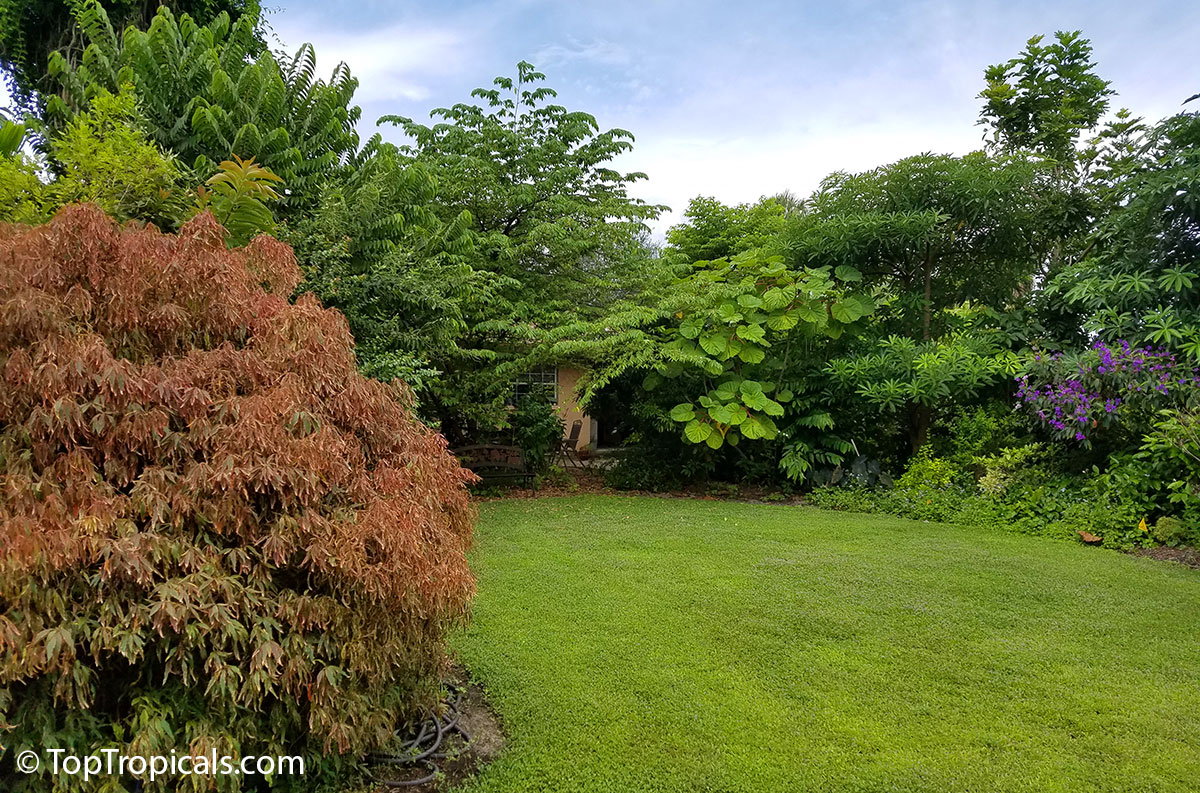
[739, 100]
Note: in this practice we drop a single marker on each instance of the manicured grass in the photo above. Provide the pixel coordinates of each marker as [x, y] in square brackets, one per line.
[641, 644]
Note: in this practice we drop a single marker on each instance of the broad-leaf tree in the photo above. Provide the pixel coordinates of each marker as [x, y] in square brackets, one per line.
[730, 336]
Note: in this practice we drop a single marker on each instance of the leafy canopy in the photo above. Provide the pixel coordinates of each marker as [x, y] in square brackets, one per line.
[1045, 98]
[710, 230]
[535, 178]
[209, 92]
[32, 29]
[739, 321]
[407, 281]
[1141, 279]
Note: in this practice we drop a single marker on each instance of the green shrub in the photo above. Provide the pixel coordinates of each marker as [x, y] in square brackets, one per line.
[639, 467]
[1176, 532]
[103, 156]
[1012, 496]
[978, 431]
[1001, 470]
[849, 499]
[21, 192]
[926, 471]
[537, 429]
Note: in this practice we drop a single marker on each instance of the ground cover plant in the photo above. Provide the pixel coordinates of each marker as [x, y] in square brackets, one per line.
[647, 644]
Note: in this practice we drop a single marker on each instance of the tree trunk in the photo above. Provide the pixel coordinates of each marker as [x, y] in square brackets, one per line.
[922, 417]
[928, 308]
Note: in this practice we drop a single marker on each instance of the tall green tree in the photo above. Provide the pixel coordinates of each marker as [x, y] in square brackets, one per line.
[212, 91]
[408, 284]
[553, 224]
[712, 230]
[1141, 278]
[1046, 98]
[549, 210]
[947, 243]
[32, 29]
[932, 230]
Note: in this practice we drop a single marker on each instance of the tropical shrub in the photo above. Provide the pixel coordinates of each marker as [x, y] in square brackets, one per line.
[536, 429]
[905, 376]
[104, 156]
[238, 196]
[21, 192]
[734, 340]
[970, 434]
[1018, 492]
[215, 534]
[1080, 395]
[637, 469]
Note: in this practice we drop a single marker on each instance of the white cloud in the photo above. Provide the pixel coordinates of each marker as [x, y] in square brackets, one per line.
[397, 61]
[743, 169]
[597, 51]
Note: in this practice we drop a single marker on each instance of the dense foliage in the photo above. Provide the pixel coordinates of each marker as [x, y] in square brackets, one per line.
[215, 533]
[535, 179]
[32, 29]
[236, 482]
[209, 92]
[553, 228]
[1025, 358]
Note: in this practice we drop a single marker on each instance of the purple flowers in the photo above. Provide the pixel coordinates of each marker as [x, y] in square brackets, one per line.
[1077, 395]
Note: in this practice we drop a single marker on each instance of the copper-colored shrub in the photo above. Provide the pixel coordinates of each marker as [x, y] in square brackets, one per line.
[214, 533]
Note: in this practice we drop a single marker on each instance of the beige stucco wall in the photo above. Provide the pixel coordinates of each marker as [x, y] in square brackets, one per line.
[568, 408]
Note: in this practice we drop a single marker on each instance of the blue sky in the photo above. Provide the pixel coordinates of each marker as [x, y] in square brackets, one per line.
[742, 100]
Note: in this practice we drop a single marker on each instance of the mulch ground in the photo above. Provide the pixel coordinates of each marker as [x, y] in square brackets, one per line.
[1184, 556]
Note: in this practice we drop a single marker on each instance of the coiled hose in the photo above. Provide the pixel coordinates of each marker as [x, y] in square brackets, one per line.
[424, 749]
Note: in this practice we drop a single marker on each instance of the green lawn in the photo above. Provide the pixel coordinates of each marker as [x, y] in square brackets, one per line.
[642, 644]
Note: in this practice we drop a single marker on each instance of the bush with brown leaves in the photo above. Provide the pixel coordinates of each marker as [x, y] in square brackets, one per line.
[214, 532]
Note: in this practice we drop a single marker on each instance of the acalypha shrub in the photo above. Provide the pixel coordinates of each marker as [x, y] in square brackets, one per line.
[214, 533]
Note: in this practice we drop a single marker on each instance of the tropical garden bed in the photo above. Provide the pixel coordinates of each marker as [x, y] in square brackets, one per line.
[241, 334]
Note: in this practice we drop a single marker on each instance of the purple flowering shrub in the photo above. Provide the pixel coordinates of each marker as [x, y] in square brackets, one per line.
[1078, 396]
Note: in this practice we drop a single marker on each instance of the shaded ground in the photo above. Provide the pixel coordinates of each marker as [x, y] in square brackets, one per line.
[1184, 556]
[591, 480]
[648, 644]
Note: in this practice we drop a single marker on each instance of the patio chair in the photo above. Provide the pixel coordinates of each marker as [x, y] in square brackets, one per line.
[567, 446]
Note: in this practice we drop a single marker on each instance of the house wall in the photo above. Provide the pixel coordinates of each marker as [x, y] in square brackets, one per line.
[568, 407]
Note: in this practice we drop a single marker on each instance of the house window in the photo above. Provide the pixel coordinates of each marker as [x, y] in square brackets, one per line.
[542, 380]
